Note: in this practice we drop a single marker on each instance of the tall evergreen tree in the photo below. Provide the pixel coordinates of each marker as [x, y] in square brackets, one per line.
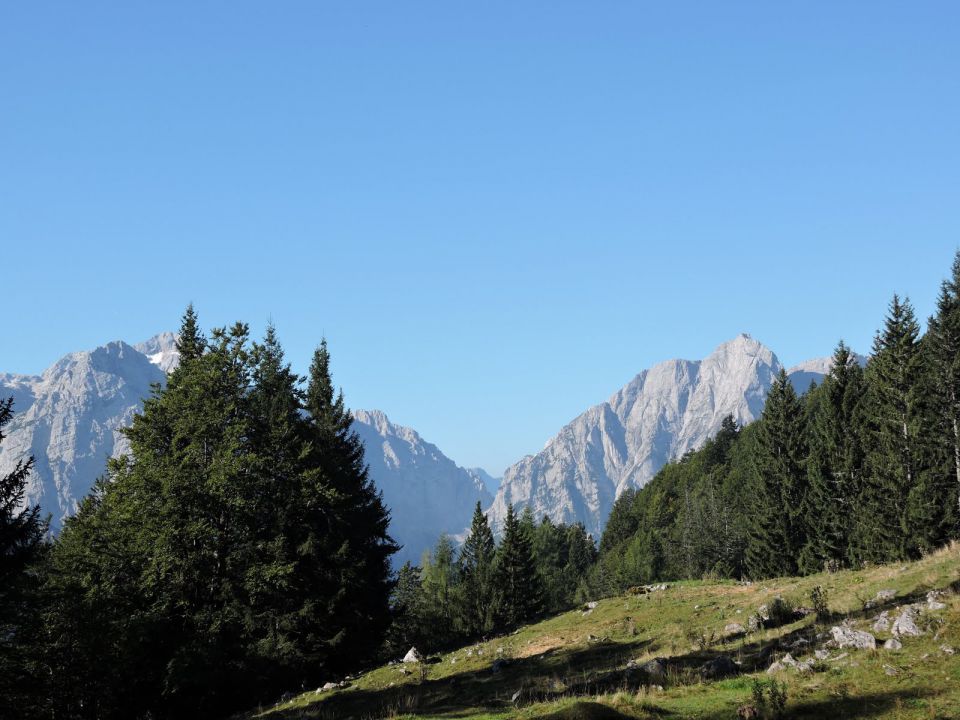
[776, 531]
[835, 463]
[942, 346]
[21, 548]
[517, 579]
[476, 566]
[364, 546]
[901, 510]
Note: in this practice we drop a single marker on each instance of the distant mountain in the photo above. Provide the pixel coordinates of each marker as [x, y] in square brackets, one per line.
[661, 414]
[69, 419]
[491, 483]
[161, 350]
[427, 493]
[815, 370]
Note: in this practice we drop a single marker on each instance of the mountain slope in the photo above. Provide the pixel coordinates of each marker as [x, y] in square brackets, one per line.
[662, 413]
[69, 419]
[427, 493]
[633, 653]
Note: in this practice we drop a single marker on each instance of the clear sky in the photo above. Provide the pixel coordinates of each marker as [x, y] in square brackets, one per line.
[497, 212]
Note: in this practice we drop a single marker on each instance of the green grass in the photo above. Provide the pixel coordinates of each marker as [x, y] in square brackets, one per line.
[572, 666]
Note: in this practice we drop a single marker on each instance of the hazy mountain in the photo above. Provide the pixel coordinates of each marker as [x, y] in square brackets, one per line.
[427, 493]
[491, 483]
[661, 414]
[69, 419]
[814, 371]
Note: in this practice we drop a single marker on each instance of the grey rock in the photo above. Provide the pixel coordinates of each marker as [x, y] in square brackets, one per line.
[329, 686]
[655, 669]
[892, 644]
[881, 623]
[906, 624]
[845, 637]
[734, 629]
[413, 656]
[947, 650]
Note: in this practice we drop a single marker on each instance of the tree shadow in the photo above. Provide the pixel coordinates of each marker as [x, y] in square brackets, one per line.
[849, 708]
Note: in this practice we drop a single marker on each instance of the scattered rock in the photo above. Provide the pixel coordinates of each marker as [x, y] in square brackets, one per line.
[734, 629]
[516, 696]
[413, 655]
[885, 595]
[933, 600]
[775, 668]
[947, 650]
[590, 605]
[720, 667]
[655, 669]
[328, 686]
[844, 637]
[906, 623]
[889, 670]
[821, 654]
[893, 644]
[881, 623]
[343, 684]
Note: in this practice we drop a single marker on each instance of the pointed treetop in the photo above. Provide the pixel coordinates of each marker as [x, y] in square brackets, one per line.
[190, 342]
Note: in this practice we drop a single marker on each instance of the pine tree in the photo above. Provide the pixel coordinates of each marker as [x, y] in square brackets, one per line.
[21, 549]
[902, 513]
[363, 545]
[942, 347]
[476, 566]
[408, 627]
[776, 531]
[835, 465]
[441, 596]
[517, 580]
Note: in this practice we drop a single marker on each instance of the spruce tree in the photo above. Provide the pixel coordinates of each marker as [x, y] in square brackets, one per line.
[776, 531]
[360, 545]
[942, 347]
[517, 579]
[476, 566]
[902, 512]
[835, 464]
[21, 548]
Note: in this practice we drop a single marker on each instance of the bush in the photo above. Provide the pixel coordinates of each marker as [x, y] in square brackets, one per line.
[818, 598]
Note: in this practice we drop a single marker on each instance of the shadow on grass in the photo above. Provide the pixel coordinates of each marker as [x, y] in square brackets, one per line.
[849, 708]
[460, 694]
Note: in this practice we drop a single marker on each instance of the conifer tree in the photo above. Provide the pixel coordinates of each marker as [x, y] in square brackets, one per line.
[517, 579]
[441, 596]
[835, 463]
[363, 546]
[21, 548]
[902, 511]
[776, 531]
[942, 346]
[476, 566]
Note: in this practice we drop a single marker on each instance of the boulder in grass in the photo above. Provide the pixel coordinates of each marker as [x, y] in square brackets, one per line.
[413, 656]
[845, 637]
[892, 644]
[906, 624]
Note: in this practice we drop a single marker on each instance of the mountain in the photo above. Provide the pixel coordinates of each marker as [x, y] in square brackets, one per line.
[161, 350]
[814, 371]
[69, 419]
[427, 493]
[659, 415]
[491, 483]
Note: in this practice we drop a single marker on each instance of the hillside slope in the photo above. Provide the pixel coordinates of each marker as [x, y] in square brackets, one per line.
[591, 662]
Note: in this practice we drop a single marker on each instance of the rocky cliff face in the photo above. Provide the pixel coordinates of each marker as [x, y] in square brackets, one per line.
[427, 493]
[69, 420]
[661, 414]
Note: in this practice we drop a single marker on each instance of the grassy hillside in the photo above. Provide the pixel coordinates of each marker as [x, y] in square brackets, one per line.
[575, 665]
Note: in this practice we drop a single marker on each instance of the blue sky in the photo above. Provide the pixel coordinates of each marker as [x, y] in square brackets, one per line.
[496, 212]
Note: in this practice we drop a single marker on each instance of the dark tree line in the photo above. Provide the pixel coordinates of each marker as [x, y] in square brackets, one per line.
[486, 588]
[238, 551]
[864, 468]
